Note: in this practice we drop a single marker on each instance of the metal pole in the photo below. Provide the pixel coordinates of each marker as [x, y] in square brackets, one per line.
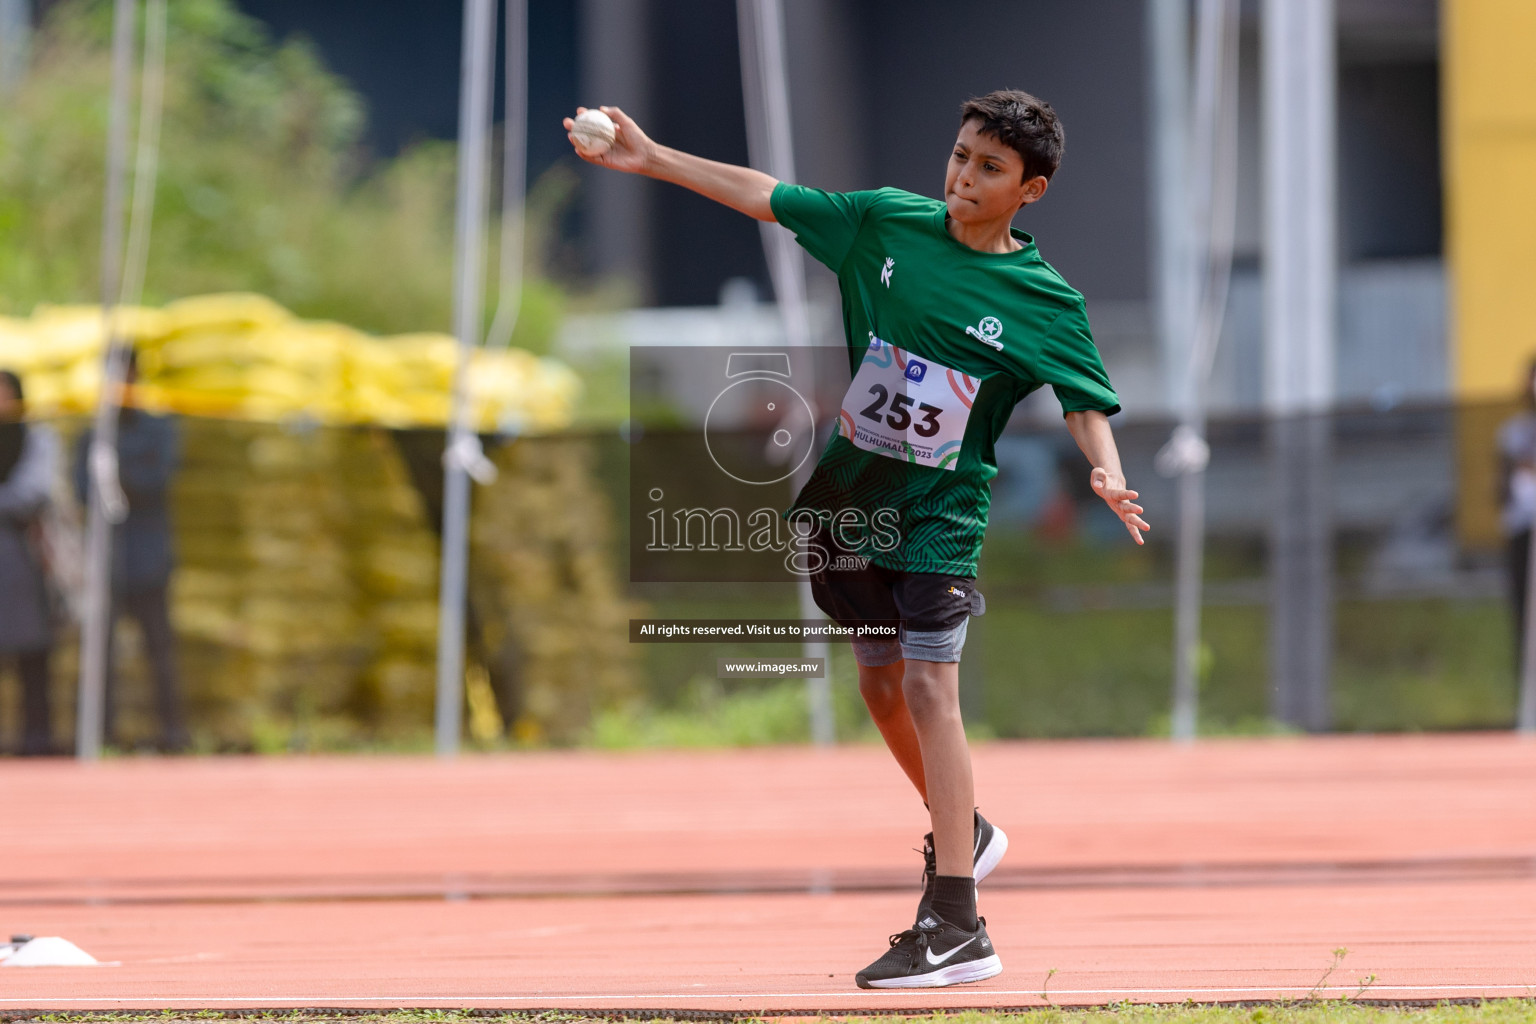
[770, 144]
[462, 448]
[1210, 207]
[1186, 627]
[1525, 717]
[105, 499]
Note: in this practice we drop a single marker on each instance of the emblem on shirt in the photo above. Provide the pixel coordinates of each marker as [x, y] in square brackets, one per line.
[988, 331]
[886, 271]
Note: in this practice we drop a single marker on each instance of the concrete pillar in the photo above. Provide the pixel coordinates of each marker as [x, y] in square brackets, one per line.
[615, 63]
[1168, 26]
[1300, 273]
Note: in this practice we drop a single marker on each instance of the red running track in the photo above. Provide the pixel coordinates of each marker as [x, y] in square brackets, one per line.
[759, 881]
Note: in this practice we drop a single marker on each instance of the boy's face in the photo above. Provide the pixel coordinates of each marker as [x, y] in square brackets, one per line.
[985, 179]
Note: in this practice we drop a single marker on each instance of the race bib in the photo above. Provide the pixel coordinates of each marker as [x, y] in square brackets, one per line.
[907, 407]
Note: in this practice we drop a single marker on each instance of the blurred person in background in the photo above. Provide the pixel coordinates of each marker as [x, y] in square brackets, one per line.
[422, 452]
[148, 448]
[29, 455]
[1517, 452]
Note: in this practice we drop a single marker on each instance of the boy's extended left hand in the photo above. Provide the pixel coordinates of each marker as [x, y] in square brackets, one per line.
[1120, 500]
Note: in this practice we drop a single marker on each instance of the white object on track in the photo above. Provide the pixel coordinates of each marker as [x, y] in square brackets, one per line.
[49, 951]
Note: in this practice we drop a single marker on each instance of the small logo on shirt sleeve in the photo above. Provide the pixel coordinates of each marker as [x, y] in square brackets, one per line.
[886, 271]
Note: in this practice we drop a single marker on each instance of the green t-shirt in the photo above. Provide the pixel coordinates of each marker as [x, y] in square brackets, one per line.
[943, 342]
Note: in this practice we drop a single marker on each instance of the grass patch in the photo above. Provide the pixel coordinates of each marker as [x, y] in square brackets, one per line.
[1399, 666]
[1428, 664]
[1316, 1011]
[716, 713]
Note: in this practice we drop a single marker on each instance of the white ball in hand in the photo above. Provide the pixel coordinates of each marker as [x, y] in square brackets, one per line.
[594, 132]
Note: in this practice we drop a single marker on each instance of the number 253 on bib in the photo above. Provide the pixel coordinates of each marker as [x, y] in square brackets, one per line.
[907, 407]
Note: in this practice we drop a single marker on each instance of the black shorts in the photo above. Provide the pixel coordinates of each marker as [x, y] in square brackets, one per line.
[934, 608]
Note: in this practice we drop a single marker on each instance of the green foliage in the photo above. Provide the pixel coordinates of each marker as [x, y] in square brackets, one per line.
[262, 185]
[1312, 1011]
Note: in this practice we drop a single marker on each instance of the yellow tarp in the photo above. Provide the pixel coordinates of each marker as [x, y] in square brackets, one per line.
[245, 357]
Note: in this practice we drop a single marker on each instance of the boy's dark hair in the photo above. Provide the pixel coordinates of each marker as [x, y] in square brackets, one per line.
[13, 384]
[1025, 124]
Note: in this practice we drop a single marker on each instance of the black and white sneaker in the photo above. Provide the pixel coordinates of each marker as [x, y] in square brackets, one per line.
[991, 843]
[933, 954]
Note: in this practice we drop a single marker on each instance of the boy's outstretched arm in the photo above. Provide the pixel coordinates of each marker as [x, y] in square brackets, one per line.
[740, 188]
[1091, 432]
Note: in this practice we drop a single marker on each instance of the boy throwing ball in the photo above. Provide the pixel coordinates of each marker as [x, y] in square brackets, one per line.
[952, 318]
